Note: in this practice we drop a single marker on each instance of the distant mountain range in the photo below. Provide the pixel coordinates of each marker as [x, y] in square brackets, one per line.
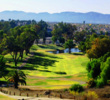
[71, 17]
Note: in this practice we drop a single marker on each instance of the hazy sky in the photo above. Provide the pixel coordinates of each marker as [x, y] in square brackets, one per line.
[53, 6]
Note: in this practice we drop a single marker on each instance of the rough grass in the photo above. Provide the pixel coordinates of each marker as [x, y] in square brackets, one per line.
[34, 82]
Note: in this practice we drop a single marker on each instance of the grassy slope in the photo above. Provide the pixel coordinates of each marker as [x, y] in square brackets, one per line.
[59, 69]
[56, 65]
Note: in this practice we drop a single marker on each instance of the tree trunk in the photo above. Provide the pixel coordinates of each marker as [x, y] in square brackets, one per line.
[16, 63]
[69, 50]
[16, 84]
[21, 55]
[44, 39]
[15, 59]
[37, 41]
[27, 51]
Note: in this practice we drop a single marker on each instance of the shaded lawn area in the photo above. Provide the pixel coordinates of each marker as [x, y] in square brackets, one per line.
[10, 61]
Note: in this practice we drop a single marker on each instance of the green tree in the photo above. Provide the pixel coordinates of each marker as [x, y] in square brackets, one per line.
[104, 58]
[43, 30]
[80, 36]
[93, 68]
[13, 47]
[99, 47]
[82, 46]
[20, 39]
[27, 37]
[64, 30]
[69, 44]
[54, 39]
[105, 73]
[36, 28]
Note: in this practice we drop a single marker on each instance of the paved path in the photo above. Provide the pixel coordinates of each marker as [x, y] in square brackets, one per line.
[30, 98]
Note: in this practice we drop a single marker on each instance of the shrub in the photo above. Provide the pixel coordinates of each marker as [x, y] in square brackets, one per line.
[91, 83]
[92, 94]
[76, 88]
[65, 90]
[89, 95]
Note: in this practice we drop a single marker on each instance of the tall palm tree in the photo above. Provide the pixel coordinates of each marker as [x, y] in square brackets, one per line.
[17, 77]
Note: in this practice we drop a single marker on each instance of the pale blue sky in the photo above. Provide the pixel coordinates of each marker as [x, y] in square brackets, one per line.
[53, 6]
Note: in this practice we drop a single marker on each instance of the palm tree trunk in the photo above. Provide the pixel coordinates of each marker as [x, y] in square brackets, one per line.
[16, 84]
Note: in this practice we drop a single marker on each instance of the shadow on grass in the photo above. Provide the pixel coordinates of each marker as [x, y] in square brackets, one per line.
[44, 55]
[61, 73]
[3, 82]
[39, 60]
[44, 70]
[78, 53]
[36, 60]
[10, 60]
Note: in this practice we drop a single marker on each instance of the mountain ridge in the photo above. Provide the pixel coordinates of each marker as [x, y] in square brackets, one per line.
[71, 17]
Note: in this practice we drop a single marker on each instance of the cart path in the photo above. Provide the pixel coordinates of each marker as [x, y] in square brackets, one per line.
[30, 98]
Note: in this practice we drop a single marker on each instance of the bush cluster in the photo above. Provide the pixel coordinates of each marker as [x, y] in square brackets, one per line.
[99, 71]
[77, 88]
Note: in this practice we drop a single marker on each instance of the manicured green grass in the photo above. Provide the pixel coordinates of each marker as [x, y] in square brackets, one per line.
[44, 47]
[57, 69]
[55, 65]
